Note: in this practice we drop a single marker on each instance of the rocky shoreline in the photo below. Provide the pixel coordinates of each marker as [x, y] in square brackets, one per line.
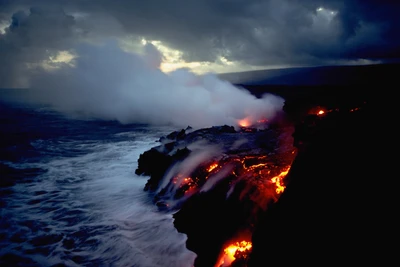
[230, 181]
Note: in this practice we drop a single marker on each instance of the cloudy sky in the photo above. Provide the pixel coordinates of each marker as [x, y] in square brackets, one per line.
[203, 35]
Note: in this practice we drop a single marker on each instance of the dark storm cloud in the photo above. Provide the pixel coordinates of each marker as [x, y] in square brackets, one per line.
[31, 37]
[255, 32]
[266, 32]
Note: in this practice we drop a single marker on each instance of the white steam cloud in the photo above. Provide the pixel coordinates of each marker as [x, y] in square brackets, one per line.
[108, 83]
[214, 179]
[200, 152]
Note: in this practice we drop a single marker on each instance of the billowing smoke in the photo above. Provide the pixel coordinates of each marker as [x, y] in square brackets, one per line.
[109, 83]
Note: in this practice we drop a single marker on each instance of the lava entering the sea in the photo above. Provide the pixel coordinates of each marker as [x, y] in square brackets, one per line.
[250, 169]
[237, 181]
[260, 175]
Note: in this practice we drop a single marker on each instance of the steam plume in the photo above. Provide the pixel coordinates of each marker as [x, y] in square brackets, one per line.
[214, 179]
[109, 83]
[201, 152]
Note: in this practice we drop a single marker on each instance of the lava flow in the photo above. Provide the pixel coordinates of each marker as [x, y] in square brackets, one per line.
[264, 175]
[250, 169]
[319, 111]
[212, 167]
[264, 183]
[322, 111]
[278, 181]
[242, 171]
[234, 251]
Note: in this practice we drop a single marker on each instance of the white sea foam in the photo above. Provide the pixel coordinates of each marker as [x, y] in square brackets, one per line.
[94, 207]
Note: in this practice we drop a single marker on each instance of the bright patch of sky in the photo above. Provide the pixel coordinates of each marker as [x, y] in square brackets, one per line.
[173, 59]
[3, 26]
[55, 62]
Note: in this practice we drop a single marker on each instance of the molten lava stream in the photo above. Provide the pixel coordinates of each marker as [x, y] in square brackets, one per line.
[212, 167]
[278, 181]
[241, 250]
[233, 252]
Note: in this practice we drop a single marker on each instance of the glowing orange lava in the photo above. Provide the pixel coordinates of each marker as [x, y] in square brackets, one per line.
[188, 181]
[233, 251]
[278, 181]
[319, 111]
[244, 122]
[252, 167]
[212, 167]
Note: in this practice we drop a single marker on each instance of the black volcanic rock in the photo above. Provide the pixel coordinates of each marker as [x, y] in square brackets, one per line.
[211, 219]
[156, 161]
[228, 209]
[331, 211]
[333, 195]
[174, 148]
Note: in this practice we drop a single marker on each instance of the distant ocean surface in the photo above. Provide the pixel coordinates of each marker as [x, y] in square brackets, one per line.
[69, 195]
